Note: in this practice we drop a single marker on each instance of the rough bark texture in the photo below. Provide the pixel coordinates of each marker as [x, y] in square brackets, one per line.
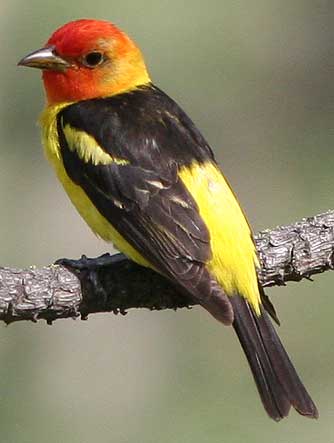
[288, 253]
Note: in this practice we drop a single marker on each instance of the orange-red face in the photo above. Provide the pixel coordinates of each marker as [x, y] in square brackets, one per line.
[88, 59]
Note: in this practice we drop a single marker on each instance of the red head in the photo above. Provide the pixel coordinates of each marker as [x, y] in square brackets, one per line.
[87, 59]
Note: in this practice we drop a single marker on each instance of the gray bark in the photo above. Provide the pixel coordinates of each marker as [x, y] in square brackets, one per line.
[287, 253]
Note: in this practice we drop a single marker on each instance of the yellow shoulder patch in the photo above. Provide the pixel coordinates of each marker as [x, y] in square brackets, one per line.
[87, 147]
[78, 141]
[97, 222]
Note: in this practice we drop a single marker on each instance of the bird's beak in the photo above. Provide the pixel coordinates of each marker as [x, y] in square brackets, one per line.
[45, 58]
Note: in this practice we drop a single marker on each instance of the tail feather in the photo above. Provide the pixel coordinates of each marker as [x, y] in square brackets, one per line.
[277, 380]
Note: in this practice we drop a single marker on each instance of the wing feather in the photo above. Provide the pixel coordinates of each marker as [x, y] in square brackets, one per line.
[140, 193]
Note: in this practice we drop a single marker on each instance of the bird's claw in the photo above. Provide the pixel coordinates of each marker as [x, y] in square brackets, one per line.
[89, 264]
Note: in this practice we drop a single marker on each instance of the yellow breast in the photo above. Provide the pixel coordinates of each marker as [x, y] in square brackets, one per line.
[97, 222]
[234, 257]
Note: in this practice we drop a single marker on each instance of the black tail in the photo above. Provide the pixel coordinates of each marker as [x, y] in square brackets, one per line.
[276, 378]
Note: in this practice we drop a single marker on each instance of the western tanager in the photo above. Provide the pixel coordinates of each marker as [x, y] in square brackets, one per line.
[144, 178]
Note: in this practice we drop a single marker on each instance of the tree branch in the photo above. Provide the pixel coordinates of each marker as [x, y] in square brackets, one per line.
[288, 253]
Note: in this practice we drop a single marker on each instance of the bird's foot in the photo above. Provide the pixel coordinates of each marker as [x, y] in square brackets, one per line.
[89, 264]
[94, 289]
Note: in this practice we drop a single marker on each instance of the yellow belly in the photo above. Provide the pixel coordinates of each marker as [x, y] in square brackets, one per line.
[234, 258]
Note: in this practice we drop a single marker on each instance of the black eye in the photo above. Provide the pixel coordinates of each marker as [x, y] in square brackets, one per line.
[93, 59]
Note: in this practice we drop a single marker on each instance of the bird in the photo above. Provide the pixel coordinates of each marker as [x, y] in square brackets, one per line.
[144, 178]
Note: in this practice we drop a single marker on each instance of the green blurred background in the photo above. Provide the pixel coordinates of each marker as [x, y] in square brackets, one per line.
[257, 78]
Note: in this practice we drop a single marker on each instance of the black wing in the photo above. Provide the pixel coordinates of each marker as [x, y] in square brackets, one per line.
[141, 194]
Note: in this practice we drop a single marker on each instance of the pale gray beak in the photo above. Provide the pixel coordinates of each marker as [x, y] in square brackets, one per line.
[45, 58]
